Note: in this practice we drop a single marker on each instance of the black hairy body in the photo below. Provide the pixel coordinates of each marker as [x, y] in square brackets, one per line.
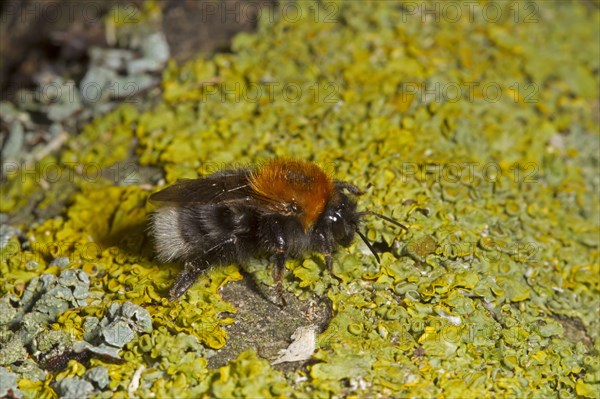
[284, 209]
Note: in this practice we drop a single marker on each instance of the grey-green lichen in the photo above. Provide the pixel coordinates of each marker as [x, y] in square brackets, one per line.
[8, 384]
[49, 344]
[493, 290]
[74, 387]
[24, 321]
[24, 332]
[117, 328]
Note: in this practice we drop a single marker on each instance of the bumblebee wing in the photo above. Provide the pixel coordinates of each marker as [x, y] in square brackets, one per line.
[217, 188]
[225, 187]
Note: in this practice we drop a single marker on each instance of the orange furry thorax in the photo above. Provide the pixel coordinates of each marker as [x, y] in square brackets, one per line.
[301, 187]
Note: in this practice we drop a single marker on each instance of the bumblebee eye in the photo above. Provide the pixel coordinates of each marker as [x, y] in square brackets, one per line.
[337, 227]
[341, 229]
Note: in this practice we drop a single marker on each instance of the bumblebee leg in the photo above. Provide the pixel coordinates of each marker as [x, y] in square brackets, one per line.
[185, 279]
[194, 268]
[328, 261]
[278, 272]
[272, 232]
[329, 265]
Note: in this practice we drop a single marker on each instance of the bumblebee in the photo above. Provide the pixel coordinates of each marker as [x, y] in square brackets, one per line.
[283, 209]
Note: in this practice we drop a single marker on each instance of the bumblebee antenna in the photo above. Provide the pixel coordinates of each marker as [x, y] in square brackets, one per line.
[362, 236]
[384, 218]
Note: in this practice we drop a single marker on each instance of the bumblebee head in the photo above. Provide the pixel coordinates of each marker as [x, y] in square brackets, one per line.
[343, 219]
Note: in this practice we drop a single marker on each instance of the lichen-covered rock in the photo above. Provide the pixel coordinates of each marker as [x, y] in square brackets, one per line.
[478, 133]
[74, 388]
[30, 370]
[7, 313]
[12, 350]
[97, 376]
[49, 344]
[8, 384]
